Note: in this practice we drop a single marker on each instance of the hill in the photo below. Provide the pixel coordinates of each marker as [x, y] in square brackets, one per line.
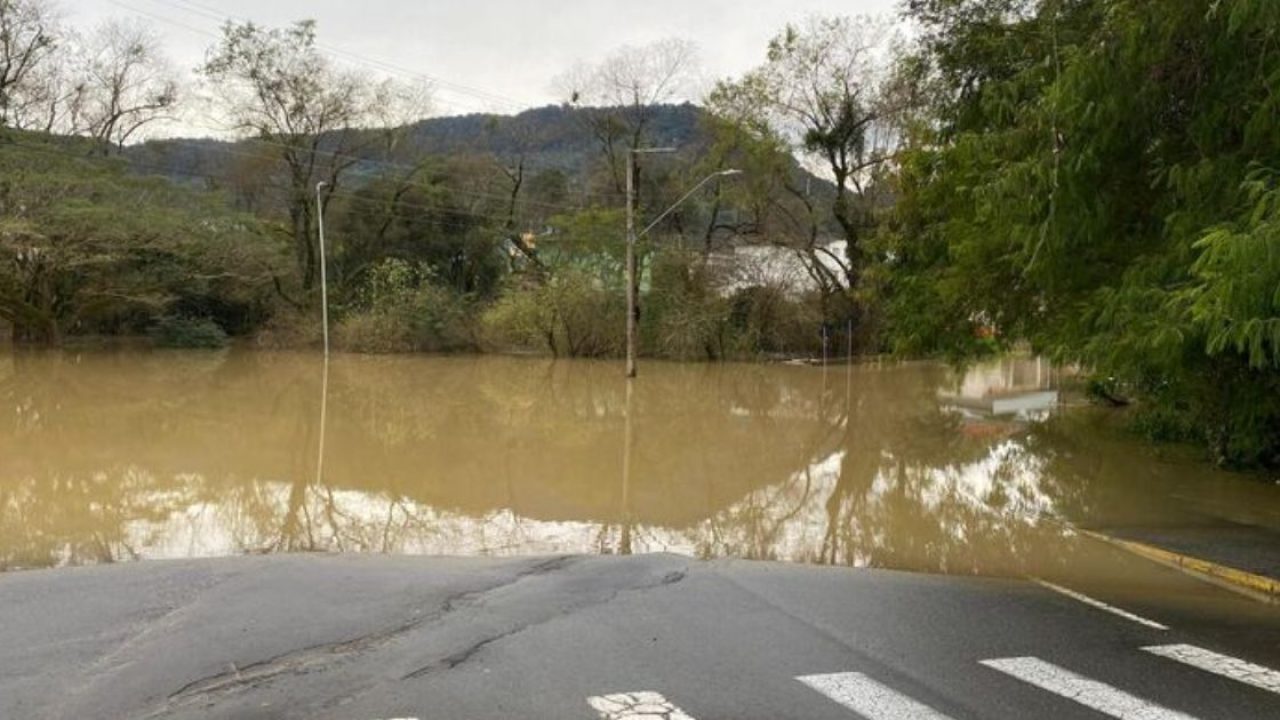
[554, 137]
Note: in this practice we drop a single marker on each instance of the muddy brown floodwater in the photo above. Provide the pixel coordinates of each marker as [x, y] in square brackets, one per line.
[112, 456]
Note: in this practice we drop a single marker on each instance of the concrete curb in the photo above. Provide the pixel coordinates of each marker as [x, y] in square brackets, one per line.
[1258, 587]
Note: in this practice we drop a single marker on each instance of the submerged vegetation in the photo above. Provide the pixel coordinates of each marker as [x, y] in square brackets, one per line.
[1099, 179]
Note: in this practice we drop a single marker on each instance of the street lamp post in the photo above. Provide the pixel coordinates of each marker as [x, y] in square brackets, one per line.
[633, 282]
[324, 280]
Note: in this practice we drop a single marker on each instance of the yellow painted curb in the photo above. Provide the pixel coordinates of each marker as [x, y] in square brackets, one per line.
[1257, 586]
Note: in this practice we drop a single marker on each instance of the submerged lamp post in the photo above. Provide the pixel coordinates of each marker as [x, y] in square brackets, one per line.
[633, 284]
[324, 281]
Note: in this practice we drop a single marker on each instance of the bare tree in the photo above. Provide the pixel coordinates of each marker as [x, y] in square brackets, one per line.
[620, 95]
[50, 98]
[28, 36]
[276, 86]
[126, 84]
[824, 89]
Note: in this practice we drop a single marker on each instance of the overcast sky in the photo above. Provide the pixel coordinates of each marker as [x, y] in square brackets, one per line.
[508, 49]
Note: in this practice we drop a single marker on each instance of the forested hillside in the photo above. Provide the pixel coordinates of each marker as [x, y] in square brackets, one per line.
[555, 138]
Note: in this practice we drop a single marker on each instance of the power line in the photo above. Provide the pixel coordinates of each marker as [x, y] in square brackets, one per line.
[227, 149]
[210, 14]
[211, 34]
[462, 88]
[213, 14]
[329, 153]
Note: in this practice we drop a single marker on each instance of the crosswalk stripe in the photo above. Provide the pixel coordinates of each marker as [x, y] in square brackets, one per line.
[1219, 664]
[869, 698]
[1077, 688]
[636, 705]
[1068, 592]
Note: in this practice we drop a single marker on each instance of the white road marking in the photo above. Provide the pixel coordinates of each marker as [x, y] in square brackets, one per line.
[1218, 664]
[1100, 605]
[636, 706]
[869, 698]
[1077, 688]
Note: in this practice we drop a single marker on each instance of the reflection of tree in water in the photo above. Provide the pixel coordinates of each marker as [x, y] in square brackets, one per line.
[465, 455]
[900, 486]
[879, 512]
[114, 455]
[100, 507]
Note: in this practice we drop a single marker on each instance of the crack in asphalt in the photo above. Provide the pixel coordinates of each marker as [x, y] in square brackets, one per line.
[319, 657]
[159, 620]
[462, 656]
[327, 653]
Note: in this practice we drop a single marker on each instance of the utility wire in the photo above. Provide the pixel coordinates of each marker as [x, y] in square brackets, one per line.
[359, 159]
[210, 13]
[215, 14]
[509, 104]
[330, 153]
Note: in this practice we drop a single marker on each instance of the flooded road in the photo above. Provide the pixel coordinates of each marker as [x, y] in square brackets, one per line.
[116, 456]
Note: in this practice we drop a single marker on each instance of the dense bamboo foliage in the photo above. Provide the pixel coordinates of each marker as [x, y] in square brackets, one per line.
[1100, 177]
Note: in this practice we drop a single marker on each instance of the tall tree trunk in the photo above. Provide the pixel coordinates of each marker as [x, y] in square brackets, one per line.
[300, 217]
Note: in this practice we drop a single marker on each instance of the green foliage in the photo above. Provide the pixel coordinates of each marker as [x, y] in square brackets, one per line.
[418, 220]
[178, 331]
[571, 314]
[1236, 293]
[764, 319]
[590, 242]
[86, 248]
[1099, 178]
[402, 308]
[685, 316]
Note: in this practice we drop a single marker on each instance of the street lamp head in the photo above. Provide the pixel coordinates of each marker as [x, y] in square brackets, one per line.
[729, 173]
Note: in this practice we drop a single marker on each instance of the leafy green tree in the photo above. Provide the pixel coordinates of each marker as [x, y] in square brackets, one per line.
[84, 247]
[1099, 179]
[420, 220]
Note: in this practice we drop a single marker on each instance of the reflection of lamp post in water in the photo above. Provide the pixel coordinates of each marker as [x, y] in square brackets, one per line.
[324, 305]
[628, 439]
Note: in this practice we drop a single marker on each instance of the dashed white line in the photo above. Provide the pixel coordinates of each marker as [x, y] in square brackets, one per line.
[636, 706]
[1100, 605]
[869, 698]
[1077, 688]
[1219, 664]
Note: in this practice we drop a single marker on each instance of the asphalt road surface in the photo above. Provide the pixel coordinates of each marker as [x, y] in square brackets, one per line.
[660, 636]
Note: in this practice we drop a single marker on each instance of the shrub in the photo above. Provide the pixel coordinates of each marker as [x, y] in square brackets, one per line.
[373, 332]
[685, 315]
[400, 308]
[178, 331]
[290, 327]
[764, 319]
[571, 313]
[520, 320]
